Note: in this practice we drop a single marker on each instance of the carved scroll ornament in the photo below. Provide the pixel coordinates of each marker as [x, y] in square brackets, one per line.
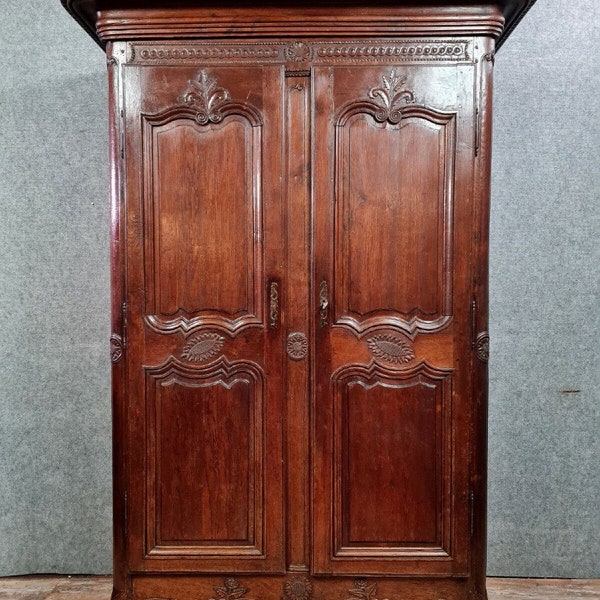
[204, 95]
[390, 97]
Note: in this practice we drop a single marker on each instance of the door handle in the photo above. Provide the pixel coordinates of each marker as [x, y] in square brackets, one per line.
[323, 304]
[273, 305]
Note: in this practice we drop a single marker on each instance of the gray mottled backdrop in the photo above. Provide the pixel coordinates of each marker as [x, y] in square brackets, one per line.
[544, 511]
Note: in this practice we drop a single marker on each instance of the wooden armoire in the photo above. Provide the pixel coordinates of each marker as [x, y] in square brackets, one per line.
[299, 225]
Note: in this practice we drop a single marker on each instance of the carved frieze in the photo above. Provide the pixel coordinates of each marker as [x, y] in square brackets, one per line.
[422, 50]
[318, 52]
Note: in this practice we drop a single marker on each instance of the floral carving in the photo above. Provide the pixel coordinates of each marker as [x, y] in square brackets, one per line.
[482, 346]
[298, 52]
[297, 345]
[202, 347]
[391, 348]
[297, 588]
[230, 590]
[116, 348]
[389, 97]
[208, 99]
[363, 590]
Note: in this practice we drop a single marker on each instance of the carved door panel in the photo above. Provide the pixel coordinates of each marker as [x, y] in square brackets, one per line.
[393, 189]
[204, 354]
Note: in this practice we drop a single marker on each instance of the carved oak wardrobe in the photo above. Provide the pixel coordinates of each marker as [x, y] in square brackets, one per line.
[299, 296]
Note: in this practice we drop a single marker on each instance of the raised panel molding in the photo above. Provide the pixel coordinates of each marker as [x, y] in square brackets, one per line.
[389, 115]
[420, 384]
[190, 391]
[206, 118]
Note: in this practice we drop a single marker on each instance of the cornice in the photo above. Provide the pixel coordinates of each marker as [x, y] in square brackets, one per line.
[107, 20]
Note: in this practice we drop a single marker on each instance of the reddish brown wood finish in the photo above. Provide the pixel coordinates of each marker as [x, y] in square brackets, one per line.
[299, 249]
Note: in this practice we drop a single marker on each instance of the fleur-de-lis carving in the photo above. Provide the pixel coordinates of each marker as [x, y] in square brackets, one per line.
[208, 99]
[389, 96]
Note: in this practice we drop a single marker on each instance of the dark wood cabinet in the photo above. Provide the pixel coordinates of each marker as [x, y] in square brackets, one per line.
[299, 281]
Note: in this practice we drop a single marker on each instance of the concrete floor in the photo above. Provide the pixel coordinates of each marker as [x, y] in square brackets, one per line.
[52, 587]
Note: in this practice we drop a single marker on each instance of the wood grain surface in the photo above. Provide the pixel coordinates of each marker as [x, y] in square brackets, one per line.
[99, 588]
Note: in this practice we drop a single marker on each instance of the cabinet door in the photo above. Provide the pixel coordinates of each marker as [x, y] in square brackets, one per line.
[393, 213]
[204, 358]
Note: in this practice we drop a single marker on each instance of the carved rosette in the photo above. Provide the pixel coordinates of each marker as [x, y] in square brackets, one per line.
[298, 52]
[363, 590]
[204, 96]
[390, 97]
[297, 345]
[297, 588]
[391, 348]
[482, 346]
[201, 347]
[230, 590]
[116, 348]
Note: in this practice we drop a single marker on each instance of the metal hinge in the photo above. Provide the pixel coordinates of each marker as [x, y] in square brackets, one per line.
[477, 127]
[122, 134]
[124, 323]
[471, 512]
[473, 322]
[125, 524]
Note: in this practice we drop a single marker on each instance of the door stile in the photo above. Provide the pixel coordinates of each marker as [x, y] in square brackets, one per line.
[297, 284]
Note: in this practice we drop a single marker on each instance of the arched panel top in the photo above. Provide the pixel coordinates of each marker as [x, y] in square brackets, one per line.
[391, 102]
[222, 371]
[375, 371]
[206, 103]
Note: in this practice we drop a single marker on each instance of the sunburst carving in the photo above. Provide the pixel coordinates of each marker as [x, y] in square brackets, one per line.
[116, 348]
[482, 346]
[298, 52]
[297, 588]
[390, 97]
[391, 348]
[202, 347]
[208, 99]
[297, 345]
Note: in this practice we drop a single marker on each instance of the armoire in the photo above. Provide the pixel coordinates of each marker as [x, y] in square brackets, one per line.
[299, 225]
